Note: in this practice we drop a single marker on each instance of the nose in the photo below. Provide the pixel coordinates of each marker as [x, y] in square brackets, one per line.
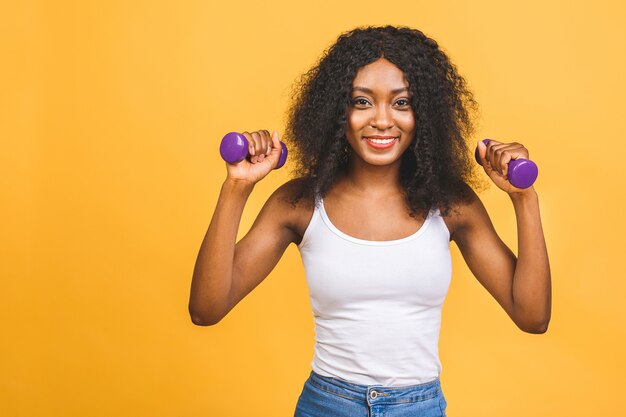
[382, 118]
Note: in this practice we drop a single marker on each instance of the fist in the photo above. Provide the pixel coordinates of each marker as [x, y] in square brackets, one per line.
[495, 158]
[264, 154]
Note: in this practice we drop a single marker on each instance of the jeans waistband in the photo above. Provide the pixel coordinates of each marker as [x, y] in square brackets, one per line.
[376, 393]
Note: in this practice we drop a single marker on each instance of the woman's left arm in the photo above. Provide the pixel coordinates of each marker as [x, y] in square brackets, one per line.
[522, 285]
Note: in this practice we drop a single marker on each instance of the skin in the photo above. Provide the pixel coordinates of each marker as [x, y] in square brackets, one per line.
[226, 270]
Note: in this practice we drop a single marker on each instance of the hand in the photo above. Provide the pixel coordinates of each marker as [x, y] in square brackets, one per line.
[495, 158]
[264, 153]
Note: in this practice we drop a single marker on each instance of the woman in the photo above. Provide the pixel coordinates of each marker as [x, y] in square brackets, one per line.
[378, 129]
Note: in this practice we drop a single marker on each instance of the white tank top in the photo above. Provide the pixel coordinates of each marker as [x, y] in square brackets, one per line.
[377, 304]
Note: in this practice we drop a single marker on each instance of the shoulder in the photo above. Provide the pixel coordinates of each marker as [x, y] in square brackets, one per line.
[465, 213]
[288, 193]
[291, 206]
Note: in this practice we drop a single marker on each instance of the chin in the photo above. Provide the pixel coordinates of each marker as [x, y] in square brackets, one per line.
[382, 160]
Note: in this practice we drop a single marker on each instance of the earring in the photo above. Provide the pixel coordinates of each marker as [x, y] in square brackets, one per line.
[345, 152]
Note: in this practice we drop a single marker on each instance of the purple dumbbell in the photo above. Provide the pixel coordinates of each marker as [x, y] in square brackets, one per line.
[522, 172]
[234, 149]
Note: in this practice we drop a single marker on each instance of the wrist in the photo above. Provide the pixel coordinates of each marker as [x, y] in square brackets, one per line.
[238, 185]
[524, 195]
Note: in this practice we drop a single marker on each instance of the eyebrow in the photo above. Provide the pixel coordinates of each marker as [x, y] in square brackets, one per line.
[367, 90]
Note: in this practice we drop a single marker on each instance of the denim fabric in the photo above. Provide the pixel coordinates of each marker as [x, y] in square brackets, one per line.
[324, 396]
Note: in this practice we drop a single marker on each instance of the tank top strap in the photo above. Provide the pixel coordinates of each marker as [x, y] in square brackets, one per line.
[312, 223]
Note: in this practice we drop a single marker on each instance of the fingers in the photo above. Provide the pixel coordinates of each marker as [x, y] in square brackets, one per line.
[276, 141]
[498, 155]
[276, 149]
[259, 144]
[482, 152]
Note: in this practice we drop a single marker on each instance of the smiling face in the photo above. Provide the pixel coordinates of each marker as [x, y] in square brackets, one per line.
[380, 123]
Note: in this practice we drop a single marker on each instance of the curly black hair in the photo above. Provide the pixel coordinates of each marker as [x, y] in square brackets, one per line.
[436, 169]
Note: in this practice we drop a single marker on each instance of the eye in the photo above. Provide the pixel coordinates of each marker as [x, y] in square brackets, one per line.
[402, 102]
[360, 102]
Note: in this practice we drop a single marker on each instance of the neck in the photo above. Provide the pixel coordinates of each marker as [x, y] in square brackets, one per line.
[373, 180]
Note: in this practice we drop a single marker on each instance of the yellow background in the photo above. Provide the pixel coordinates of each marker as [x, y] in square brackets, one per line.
[111, 114]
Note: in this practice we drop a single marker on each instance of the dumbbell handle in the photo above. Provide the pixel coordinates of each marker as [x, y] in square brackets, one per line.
[522, 173]
[234, 149]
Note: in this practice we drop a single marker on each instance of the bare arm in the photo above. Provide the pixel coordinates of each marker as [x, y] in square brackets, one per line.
[212, 275]
[532, 292]
[522, 286]
[226, 271]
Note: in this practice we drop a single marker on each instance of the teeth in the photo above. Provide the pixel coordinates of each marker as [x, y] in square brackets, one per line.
[381, 141]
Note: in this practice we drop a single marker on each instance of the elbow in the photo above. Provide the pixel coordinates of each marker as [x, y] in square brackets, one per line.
[203, 319]
[535, 328]
[535, 322]
[203, 313]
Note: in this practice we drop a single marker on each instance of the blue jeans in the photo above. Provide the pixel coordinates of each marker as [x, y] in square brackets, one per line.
[324, 396]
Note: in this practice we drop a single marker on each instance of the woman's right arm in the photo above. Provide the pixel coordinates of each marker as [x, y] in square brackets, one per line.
[227, 271]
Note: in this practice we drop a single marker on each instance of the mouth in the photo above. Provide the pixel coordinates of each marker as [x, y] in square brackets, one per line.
[381, 142]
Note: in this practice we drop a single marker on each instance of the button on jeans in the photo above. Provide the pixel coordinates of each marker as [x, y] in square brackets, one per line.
[324, 396]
